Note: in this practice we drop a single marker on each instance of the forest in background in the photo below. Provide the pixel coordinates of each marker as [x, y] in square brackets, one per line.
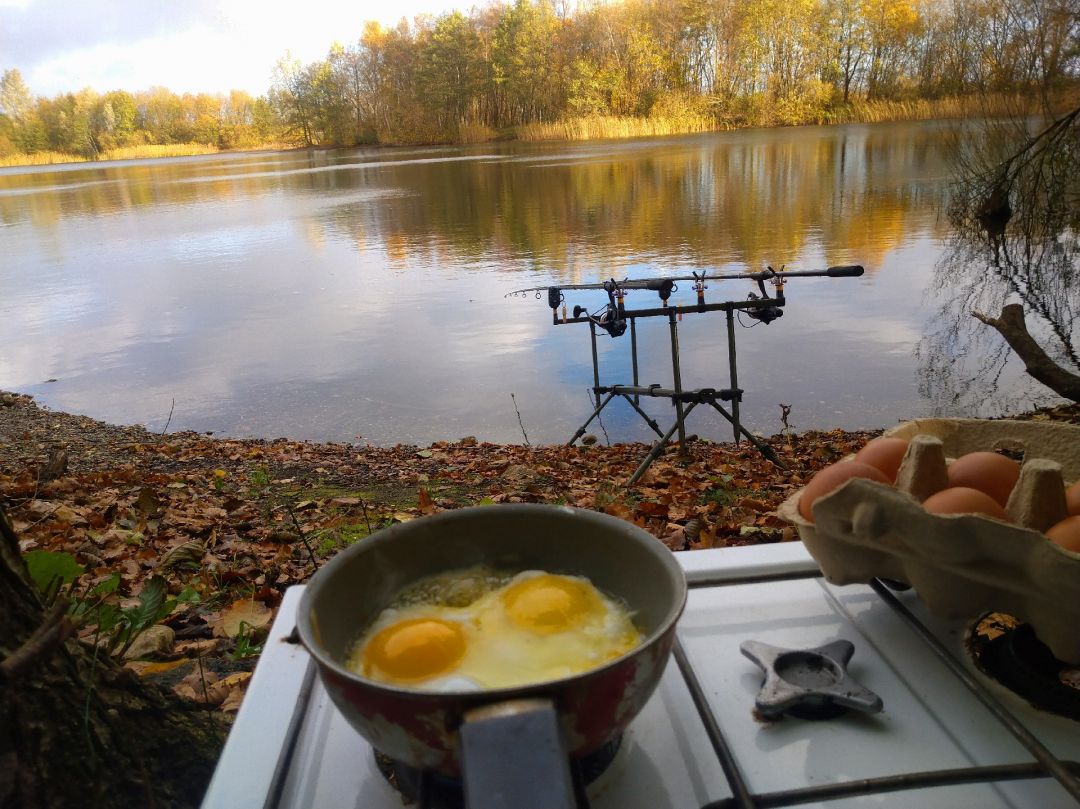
[538, 69]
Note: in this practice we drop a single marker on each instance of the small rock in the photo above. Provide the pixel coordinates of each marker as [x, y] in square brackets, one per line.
[518, 472]
[151, 642]
[55, 467]
[282, 537]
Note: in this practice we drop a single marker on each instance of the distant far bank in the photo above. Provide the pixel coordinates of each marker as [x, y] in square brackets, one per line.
[592, 127]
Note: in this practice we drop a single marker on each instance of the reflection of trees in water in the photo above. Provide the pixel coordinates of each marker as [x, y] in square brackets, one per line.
[749, 199]
[1015, 216]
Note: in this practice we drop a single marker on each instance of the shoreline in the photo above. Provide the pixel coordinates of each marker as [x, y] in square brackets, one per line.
[708, 484]
[588, 128]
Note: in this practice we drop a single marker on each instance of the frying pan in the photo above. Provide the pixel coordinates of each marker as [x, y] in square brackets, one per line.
[510, 746]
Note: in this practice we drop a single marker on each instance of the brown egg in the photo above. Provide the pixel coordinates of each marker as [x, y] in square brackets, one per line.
[1066, 533]
[884, 453]
[830, 478]
[1072, 498]
[986, 471]
[964, 500]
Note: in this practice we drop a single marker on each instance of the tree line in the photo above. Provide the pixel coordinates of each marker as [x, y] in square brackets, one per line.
[90, 124]
[506, 66]
[732, 62]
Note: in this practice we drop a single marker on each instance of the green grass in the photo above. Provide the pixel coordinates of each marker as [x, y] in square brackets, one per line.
[725, 495]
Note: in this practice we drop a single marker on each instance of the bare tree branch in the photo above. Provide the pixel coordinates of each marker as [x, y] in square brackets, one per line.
[1011, 325]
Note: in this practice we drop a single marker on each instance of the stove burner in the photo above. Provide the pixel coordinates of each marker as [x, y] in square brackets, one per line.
[433, 790]
[808, 683]
[1011, 653]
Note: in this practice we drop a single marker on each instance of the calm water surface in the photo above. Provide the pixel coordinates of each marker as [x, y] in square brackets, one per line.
[359, 295]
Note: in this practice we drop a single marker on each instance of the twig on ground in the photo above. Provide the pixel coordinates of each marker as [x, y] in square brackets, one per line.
[599, 418]
[303, 535]
[367, 518]
[785, 411]
[168, 421]
[520, 421]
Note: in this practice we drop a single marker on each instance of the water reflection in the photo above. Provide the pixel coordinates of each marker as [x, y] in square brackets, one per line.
[330, 294]
[1014, 246]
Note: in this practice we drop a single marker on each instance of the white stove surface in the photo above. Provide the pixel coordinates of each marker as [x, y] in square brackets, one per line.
[930, 721]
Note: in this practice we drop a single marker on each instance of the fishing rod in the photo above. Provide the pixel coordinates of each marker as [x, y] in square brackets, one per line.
[612, 317]
[658, 284]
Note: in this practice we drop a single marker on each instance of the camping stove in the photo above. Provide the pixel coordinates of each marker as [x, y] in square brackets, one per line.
[947, 735]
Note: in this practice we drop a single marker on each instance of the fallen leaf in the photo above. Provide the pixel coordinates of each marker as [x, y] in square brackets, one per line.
[425, 503]
[233, 701]
[148, 502]
[198, 648]
[198, 686]
[253, 614]
[675, 538]
[145, 668]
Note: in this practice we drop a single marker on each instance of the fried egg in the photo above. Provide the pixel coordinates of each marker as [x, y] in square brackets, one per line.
[475, 630]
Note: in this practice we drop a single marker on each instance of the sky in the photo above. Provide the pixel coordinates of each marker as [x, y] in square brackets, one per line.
[212, 46]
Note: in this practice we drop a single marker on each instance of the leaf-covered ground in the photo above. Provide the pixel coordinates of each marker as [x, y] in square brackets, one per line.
[230, 524]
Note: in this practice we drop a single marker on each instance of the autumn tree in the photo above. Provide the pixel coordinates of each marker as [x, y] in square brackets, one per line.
[891, 29]
[848, 42]
[292, 97]
[16, 108]
[16, 103]
[525, 62]
[451, 75]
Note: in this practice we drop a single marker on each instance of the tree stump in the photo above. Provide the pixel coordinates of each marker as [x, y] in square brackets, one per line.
[78, 731]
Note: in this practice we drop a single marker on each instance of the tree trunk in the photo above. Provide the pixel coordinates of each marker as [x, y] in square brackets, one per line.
[1010, 324]
[75, 732]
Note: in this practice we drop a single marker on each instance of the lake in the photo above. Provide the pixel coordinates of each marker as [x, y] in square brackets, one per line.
[359, 295]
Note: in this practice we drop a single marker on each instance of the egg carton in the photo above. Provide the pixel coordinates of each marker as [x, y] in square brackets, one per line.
[960, 565]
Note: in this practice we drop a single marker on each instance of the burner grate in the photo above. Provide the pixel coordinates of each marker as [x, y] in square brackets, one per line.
[1067, 773]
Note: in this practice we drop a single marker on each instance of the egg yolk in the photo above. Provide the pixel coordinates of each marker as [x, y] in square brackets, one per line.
[547, 604]
[415, 649]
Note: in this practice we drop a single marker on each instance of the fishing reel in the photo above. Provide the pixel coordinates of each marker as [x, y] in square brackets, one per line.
[609, 319]
[612, 318]
[767, 314]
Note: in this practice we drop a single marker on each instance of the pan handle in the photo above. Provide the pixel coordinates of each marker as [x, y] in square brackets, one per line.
[513, 757]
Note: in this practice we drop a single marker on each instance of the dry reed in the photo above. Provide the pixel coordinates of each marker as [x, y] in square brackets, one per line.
[157, 150]
[475, 133]
[39, 159]
[596, 127]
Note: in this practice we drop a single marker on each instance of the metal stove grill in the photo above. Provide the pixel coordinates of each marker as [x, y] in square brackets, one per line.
[269, 775]
[1045, 764]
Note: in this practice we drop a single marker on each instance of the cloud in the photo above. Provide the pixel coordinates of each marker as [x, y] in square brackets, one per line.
[195, 46]
[42, 30]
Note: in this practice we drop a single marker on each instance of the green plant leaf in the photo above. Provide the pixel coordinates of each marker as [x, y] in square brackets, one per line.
[50, 570]
[107, 616]
[149, 609]
[189, 595]
[108, 586]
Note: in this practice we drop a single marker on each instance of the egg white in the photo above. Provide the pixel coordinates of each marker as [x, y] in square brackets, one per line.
[499, 653]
